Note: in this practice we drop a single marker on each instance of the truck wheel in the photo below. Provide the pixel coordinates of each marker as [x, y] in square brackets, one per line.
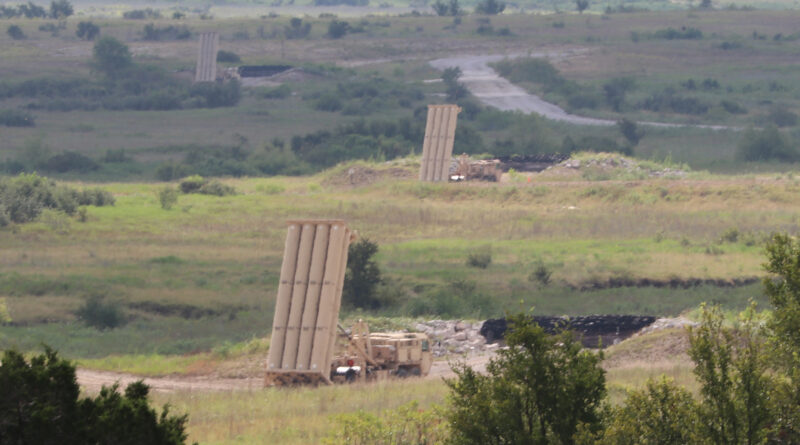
[416, 372]
[401, 373]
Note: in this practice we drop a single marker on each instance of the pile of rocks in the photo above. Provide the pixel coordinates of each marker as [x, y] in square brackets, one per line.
[612, 162]
[464, 337]
[667, 323]
[454, 337]
[594, 330]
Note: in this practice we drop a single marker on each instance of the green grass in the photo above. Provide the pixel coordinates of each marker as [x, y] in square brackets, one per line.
[205, 273]
[399, 52]
[291, 415]
[307, 415]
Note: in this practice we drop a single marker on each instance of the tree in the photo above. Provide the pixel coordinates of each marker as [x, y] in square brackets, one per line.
[659, 414]
[111, 57]
[60, 9]
[31, 11]
[362, 276]
[734, 386]
[168, 197]
[453, 88]
[444, 9]
[15, 32]
[783, 289]
[41, 405]
[451, 74]
[87, 30]
[541, 390]
[441, 8]
[297, 29]
[338, 29]
[490, 7]
[581, 5]
[615, 91]
[630, 131]
[765, 144]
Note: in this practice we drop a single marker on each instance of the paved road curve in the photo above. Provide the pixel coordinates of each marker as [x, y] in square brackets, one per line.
[491, 89]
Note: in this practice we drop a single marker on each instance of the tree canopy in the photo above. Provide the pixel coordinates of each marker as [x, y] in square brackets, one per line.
[41, 405]
[541, 390]
[111, 57]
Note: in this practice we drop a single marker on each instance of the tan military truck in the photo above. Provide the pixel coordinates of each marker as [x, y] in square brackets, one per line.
[377, 356]
[466, 169]
[303, 347]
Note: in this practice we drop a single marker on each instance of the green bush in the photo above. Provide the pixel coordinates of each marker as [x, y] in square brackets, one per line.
[69, 161]
[534, 70]
[213, 95]
[167, 197]
[732, 107]
[111, 57]
[15, 32]
[280, 92]
[198, 184]
[730, 236]
[30, 11]
[490, 7]
[362, 276]
[15, 118]
[297, 29]
[766, 144]
[171, 32]
[142, 14]
[87, 30]
[480, 258]
[41, 404]
[365, 140]
[228, 57]
[61, 9]
[216, 188]
[328, 102]
[191, 184]
[451, 8]
[661, 413]
[457, 299]
[170, 171]
[542, 389]
[24, 197]
[540, 274]
[99, 314]
[669, 101]
[782, 117]
[338, 29]
[685, 33]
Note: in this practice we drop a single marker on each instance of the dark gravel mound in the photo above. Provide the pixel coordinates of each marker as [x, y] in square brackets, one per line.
[592, 329]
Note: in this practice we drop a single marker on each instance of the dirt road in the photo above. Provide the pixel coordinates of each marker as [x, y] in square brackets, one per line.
[92, 381]
[491, 89]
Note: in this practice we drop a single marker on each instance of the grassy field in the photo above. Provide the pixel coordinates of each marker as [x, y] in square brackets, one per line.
[196, 283]
[205, 272]
[748, 54]
[308, 415]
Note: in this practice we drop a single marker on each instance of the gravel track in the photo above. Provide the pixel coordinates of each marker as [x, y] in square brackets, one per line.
[92, 381]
